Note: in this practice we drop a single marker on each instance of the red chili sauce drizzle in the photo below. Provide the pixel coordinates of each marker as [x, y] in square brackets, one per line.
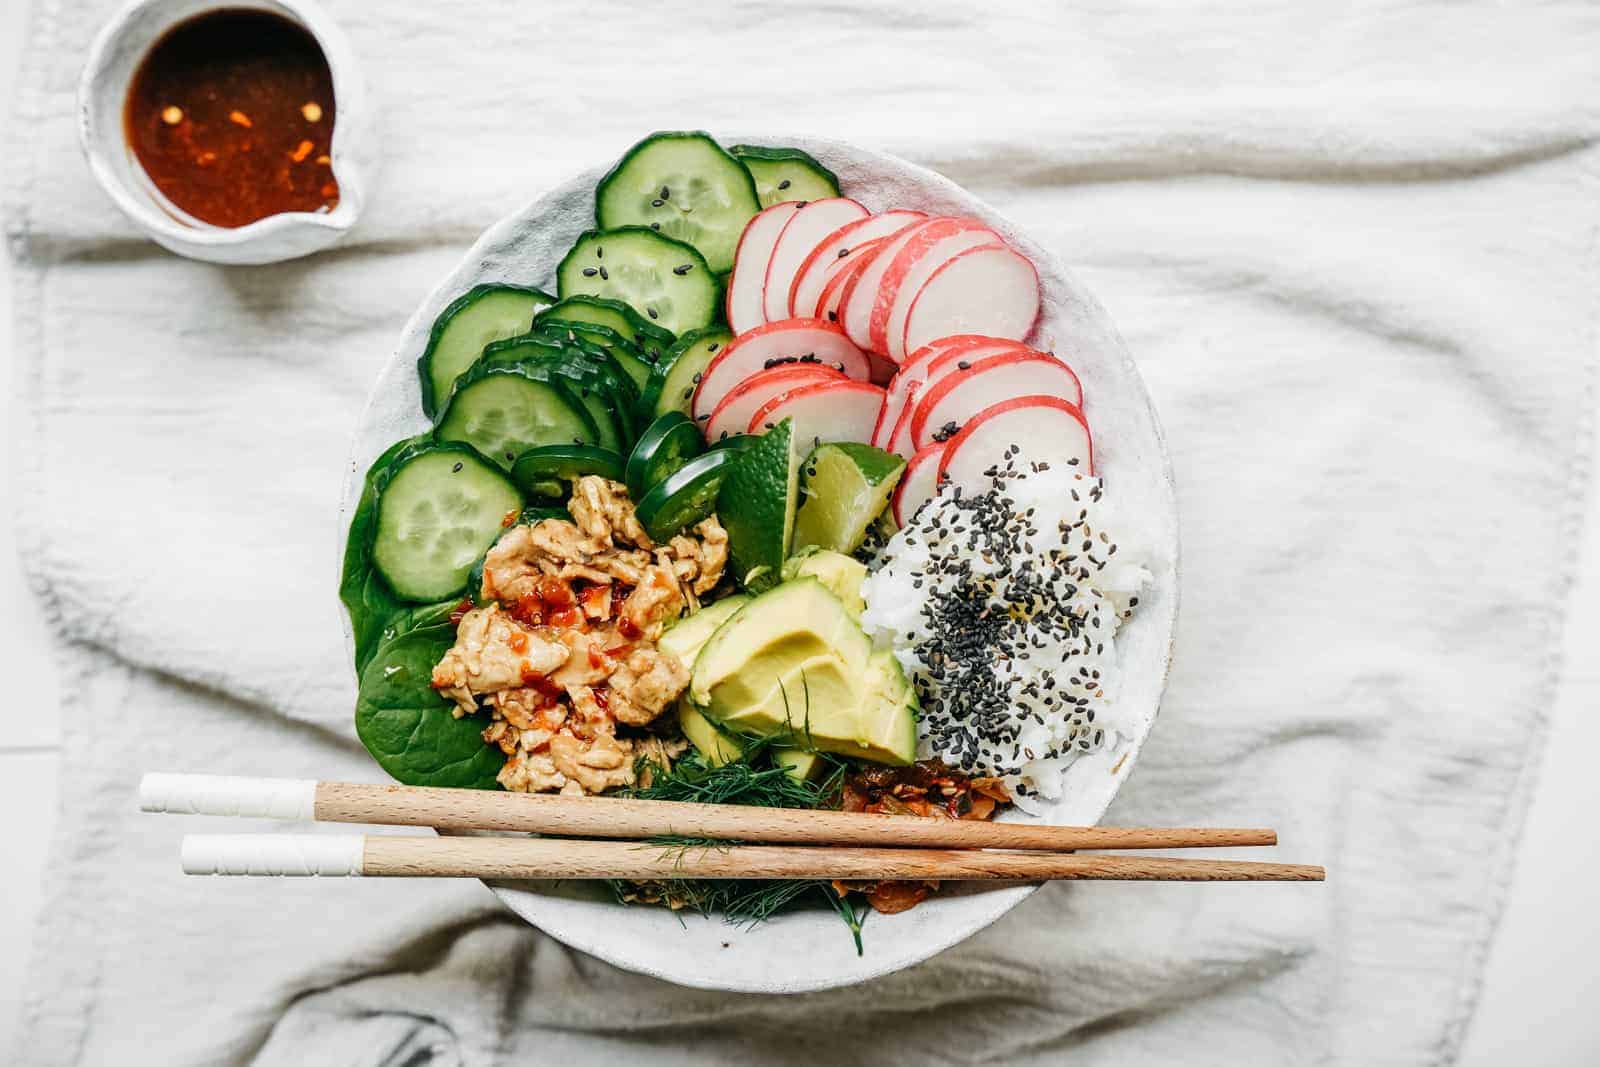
[231, 116]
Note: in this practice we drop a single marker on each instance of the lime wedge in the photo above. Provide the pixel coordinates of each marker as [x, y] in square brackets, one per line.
[757, 504]
[846, 486]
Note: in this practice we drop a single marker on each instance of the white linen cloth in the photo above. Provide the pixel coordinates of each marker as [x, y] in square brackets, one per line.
[1353, 250]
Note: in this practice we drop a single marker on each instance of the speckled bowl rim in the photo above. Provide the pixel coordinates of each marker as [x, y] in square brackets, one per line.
[655, 942]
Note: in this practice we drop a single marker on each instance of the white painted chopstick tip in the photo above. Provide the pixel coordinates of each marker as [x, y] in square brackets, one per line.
[220, 794]
[274, 855]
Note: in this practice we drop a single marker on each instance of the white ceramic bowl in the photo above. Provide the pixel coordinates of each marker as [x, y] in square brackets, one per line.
[810, 950]
[102, 93]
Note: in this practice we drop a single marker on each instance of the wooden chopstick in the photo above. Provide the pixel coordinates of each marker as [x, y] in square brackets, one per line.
[611, 817]
[544, 858]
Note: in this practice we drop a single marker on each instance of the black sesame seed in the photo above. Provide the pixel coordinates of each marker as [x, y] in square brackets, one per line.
[589, 272]
[784, 185]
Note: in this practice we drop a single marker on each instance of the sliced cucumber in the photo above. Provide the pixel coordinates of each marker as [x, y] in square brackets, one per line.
[672, 384]
[484, 313]
[592, 387]
[652, 340]
[686, 496]
[665, 280]
[437, 512]
[786, 174]
[682, 185]
[602, 351]
[544, 471]
[503, 411]
[666, 444]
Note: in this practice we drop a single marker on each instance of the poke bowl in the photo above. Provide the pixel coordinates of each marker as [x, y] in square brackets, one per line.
[838, 394]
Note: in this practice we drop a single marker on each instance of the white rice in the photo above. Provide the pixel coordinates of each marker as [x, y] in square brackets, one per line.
[1003, 608]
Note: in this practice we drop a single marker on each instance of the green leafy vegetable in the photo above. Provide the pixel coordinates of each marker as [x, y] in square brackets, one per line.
[751, 780]
[406, 725]
[366, 596]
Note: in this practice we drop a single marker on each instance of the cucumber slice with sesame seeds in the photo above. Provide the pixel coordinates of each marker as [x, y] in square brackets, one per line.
[783, 174]
[651, 340]
[484, 313]
[682, 185]
[672, 384]
[503, 411]
[438, 509]
[665, 280]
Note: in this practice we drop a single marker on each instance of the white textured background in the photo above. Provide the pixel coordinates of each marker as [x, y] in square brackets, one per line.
[1546, 957]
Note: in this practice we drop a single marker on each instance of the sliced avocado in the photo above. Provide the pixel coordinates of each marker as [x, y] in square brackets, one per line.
[684, 641]
[714, 746]
[889, 718]
[794, 662]
[685, 638]
[800, 764]
[840, 574]
[768, 638]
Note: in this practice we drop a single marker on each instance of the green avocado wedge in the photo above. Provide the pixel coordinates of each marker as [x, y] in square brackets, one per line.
[403, 721]
[757, 505]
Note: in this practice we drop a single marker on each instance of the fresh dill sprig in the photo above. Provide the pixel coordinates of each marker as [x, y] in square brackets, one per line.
[754, 781]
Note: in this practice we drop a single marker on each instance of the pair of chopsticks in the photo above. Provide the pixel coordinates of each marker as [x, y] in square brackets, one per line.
[783, 843]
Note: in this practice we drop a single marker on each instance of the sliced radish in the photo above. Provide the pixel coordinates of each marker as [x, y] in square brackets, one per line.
[772, 345]
[992, 291]
[934, 244]
[734, 413]
[855, 307]
[918, 484]
[894, 407]
[849, 265]
[1041, 429]
[806, 291]
[799, 238]
[923, 365]
[747, 286]
[822, 412]
[959, 395]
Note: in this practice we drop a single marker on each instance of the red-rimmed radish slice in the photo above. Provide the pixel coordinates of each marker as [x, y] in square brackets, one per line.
[992, 291]
[934, 243]
[806, 291]
[772, 345]
[924, 365]
[823, 412]
[839, 279]
[959, 395]
[749, 396]
[1042, 429]
[918, 484]
[801, 234]
[747, 287]
[855, 308]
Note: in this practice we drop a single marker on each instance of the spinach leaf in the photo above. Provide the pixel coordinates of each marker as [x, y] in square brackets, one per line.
[405, 724]
[367, 597]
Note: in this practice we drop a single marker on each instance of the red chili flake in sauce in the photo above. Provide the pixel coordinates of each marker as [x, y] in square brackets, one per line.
[460, 610]
[566, 617]
[518, 642]
[556, 593]
[219, 113]
[528, 609]
[602, 696]
[508, 520]
[627, 629]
